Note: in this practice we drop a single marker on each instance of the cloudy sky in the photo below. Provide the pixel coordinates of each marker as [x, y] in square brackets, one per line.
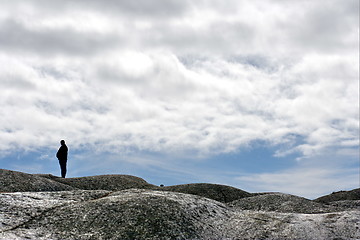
[262, 95]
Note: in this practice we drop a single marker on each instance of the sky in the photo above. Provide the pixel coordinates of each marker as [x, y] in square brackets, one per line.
[262, 95]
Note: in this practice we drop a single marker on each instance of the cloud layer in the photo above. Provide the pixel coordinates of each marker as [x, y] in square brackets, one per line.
[179, 75]
[204, 77]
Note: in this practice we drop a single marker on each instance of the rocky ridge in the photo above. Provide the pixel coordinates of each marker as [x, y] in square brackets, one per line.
[340, 196]
[217, 192]
[286, 203]
[131, 208]
[12, 181]
[102, 182]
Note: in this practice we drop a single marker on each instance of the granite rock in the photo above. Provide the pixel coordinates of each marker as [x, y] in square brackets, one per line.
[127, 207]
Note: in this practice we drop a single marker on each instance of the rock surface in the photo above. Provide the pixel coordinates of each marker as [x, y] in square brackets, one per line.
[103, 182]
[217, 192]
[286, 203]
[11, 181]
[340, 196]
[158, 213]
[21, 207]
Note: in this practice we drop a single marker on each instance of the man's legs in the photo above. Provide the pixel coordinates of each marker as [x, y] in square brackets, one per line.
[63, 167]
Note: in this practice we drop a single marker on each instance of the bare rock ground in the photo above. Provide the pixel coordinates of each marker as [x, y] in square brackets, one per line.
[286, 203]
[156, 213]
[217, 192]
[12, 181]
[103, 182]
[340, 196]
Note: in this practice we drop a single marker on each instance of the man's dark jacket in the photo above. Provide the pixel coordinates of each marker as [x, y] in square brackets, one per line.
[62, 152]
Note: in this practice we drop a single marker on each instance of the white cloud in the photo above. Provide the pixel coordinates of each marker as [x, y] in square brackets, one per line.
[163, 105]
[209, 77]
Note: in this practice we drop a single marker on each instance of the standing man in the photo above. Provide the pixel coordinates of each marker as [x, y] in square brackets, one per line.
[62, 156]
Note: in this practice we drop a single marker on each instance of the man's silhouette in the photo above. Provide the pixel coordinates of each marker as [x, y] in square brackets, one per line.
[62, 156]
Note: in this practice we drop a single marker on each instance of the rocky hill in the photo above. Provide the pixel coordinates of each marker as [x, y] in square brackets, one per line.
[103, 182]
[11, 181]
[126, 207]
[217, 192]
[340, 196]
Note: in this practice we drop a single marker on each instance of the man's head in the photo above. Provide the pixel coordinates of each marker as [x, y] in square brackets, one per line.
[62, 142]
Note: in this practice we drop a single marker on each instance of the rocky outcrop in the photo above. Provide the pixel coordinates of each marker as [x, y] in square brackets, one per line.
[159, 213]
[273, 225]
[103, 182]
[129, 214]
[217, 192]
[151, 214]
[16, 181]
[340, 196]
[286, 203]
[12, 181]
[18, 208]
